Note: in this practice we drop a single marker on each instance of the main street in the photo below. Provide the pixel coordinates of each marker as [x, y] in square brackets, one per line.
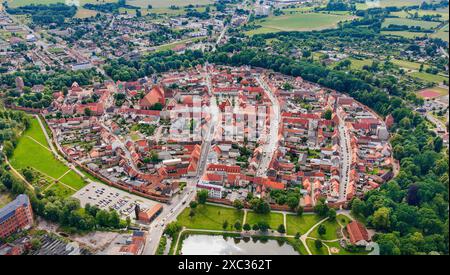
[345, 145]
[271, 142]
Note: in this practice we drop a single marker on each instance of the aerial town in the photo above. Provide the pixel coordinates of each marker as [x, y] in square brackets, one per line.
[141, 128]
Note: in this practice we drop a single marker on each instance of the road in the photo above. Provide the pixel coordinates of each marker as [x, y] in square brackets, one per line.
[346, 154]
[271, 144]
[179, 202]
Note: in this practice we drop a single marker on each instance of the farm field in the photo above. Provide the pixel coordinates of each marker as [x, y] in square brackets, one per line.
[442, 33]
[301, 223]
[167, 3]
[405, 33]
[299, 22]
[32, 142]
[429, 77]
[410, 23]
[210, 217]
[389, 3]
[408, 64]
[273, 219]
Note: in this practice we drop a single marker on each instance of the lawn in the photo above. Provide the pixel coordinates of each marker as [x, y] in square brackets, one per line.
[389, 3]
[312, 247]
[331, 231]
[32, 151]
[343, 219]
[358, 64]
[299, 22]
[273, 219]
[210, 217]
[301, 223]
[429, 77]
[442, 33]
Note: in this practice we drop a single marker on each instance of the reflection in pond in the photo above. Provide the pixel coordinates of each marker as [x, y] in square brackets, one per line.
[222, 245]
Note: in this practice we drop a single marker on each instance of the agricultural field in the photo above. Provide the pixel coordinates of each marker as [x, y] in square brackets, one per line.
[410, 23]
[298, 22]
[405, 34]
[389, 3]
[441, 33]
[210, 217]
[49, 172]
[167, 3]
[408, 64]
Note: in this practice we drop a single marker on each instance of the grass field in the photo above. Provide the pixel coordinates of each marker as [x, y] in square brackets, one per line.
[210, 217]
[298, 22]
[359, 63]
[331, 231]
[442, 33]
[312, 247]
[408, 64]
[33, 151]
[405, 34]
[167, 3]
[342, 251]
[429, 77]
[410, 23]
[389, 3]
[300, 223]
[273, 219]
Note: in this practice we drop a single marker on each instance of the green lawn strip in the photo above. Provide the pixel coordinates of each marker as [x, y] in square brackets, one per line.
[35, 131]
[343, 220]
[408, 64]
[410, 23]
[210, 217]
[312, 247]
[273, 219]
[73, 180]
[29, 153]
[301, 223]
[331, 231]
[61, 190]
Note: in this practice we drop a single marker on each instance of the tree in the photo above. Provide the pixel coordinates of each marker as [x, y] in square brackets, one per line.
[87, 112]
[193, 204]
[255, 227]
[238, 225]
[318, 244]
[321, 208]
[322, 230]
[292, 202]
[172, 229]
[327, 114]
[332, 214]
[247, 227]
[238, 204]
[192, 213]
[8, 148]
[225, 224]
[358, 207]
[202, 196]
[28, 174]
[300, 210]
[381, 218]
[263, 226]
[297, 235]
[281, 229]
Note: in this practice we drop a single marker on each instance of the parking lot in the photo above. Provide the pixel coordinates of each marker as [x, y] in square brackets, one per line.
[106, 197]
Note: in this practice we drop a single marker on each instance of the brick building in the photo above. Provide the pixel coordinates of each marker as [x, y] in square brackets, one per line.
[15, 216]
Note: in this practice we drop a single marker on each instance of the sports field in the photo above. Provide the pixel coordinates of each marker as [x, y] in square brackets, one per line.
[299, 22]
[33, 151]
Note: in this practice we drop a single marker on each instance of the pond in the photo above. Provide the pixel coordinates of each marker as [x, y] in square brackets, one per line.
[221, 245]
